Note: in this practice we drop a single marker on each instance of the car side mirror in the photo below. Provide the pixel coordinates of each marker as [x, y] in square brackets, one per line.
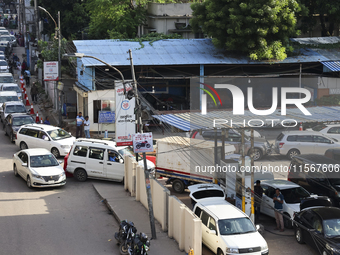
[60, 162]
[121, 161]
[46, 138]
[212, 232]
[24, 164]
[258, 227]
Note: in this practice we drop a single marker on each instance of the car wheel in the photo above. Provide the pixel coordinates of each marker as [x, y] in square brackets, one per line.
[178, 186]
[15, 170]
[298, 236]
[258, 154]
[28, 182]
[80, 175]
[292, 153]
[219, 252]
[124, 249]
[138, 146]
[11, 136]
[148, 146]
[23, 146]
[287, 222]
[55, 152]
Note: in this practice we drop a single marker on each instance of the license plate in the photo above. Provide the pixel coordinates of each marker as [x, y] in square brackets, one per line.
[51, 181]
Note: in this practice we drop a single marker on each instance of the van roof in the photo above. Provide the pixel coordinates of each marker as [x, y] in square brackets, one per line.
[41, 127]
[99, 142]
[301, 133]
[10, 85]
[14, 103]
[221, 209]
[281, 184]
[6, 74]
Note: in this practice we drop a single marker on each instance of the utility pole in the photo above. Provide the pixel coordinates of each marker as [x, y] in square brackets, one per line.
[146, 171]
[215, 156]
[243, 172]
[252, 174]
[59, 71]
[36, 19]
[24, 23]
[19, 17]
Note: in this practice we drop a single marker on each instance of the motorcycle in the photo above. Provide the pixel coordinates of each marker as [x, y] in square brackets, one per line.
[143, 144]
[125, 235]
[140, 245]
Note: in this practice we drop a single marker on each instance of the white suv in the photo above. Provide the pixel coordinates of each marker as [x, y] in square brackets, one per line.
[228, 230]
[54, 139]
[99, 159]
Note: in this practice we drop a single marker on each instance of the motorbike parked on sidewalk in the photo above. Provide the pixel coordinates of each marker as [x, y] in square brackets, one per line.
[125, 236]
[140, 245]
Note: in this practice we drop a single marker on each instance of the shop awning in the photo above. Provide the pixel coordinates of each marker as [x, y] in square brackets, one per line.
[332, 65]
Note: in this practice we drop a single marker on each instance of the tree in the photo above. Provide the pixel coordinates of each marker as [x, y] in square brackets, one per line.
[117, 19]
[327, 12]
[259, 28]
[50, 50]
[73, 16]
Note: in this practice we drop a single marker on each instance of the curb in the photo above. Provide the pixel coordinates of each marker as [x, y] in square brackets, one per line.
[104, 200]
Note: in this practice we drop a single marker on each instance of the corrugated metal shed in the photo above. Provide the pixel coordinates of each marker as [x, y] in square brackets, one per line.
[332, 65]
[195, 120]
[174, 52]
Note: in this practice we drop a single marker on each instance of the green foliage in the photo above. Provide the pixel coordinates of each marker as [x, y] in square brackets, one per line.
[73, 16]
[152, 38]
[329, 100]
[259, 28]
[50, 50]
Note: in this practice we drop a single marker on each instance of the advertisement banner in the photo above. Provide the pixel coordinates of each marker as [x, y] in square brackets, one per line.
[125, 116]
[142, 142]
[51, 71]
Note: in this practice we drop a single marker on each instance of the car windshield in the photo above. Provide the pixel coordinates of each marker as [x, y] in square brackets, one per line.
[6, 79]
[5, 38]
[208, 193]
[332, 228]
[2, 57]
[11, 88]
[235, 226]
[43, 161]
[129, 152]
[19, 121]
[15, 108]
[334, 181]
[294, 195]
[318, 127]
[58, 134]
[4, 99]
[3, 63]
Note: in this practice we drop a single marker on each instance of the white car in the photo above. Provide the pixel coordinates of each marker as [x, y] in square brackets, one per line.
[4, 68]
[39, 168]
[12, 87]
[203, 191]
[98, 159]
[292, 193]
[331, 130]
[11, 107]
[54, 139]
[228, 230]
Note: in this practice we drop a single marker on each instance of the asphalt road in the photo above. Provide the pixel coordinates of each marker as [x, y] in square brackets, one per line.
[67, 220]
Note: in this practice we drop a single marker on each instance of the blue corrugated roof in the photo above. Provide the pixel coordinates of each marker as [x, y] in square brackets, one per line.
[332, 65]
[173, 52]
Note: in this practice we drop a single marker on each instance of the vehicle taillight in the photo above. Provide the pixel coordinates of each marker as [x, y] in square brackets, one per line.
[281, 144]
[16, 136]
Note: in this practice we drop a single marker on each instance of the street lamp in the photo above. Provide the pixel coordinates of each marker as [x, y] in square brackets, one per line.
[57, 33]
[82, 55]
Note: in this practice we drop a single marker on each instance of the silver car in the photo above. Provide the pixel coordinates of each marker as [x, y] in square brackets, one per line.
[293, 143]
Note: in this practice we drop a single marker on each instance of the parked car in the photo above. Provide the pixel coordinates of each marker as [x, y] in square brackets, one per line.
[228, 230]
[317, 174]
[331, 130]
[98, 159]
[13, 41]
[4, 68]
[292, 143]
[39, 168]
[203, 190]
[6, 78]
[54, 139]
[2, 57]
[261, 145]
[319, 227]
[14, 121]
[11, 107]
[7, 96]
[12, 87]
[292, 193]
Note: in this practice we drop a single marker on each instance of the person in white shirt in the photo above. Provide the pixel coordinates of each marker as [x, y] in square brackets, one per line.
[87, 127]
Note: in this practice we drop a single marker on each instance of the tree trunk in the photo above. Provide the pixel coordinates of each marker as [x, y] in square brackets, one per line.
[324, 31]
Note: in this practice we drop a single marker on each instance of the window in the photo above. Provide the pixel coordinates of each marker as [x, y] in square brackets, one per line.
[198, 211]
[19, 121]
[235, 226]
[304, 138]
[32, 132]
[96, 109]
[42, 135]
[80, 151]
[113, 156]
[279, 138]
[15, 109]
[108, 105]
[11, 88]
[4, 99]
[320, 139]
[334, 130]
[96, 153]
[58, 134]
[270, 192]
[6, 79]
[43, 161]
[208, 193]
[23, 157]
[318, 128]
[205, 218]
[212, 224]
[23, 131]
[291, 138]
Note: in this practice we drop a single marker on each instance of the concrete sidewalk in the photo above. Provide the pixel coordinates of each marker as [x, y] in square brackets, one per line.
[125, 207]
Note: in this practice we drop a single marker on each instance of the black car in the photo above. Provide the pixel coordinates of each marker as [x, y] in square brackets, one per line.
[319, 227]
[14, 121]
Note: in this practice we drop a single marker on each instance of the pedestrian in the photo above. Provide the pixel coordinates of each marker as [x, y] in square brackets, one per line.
[258, 190]
[87, 127]
[23, 66]
[34, 92]
[278, 206]
[80, 123]
[47, 121]
[27, 75]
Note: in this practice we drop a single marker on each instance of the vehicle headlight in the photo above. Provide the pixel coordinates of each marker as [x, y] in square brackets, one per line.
[331, 248]
[232, 250]
[264, 247]
[62, 174]
[65, 146]
[37, 176]
[147, 248]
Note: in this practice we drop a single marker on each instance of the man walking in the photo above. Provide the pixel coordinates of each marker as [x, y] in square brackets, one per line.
[87, 127]
[34, 92]
[80, 123]
[27, 75]
[278, 205]
[258, 190]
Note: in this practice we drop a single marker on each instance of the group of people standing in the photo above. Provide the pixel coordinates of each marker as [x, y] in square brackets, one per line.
[82, 124]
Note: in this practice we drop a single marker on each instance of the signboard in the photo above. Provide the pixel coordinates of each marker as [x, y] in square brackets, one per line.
[142, 142]
[125, 116]
[106, 117]
[51, 71]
